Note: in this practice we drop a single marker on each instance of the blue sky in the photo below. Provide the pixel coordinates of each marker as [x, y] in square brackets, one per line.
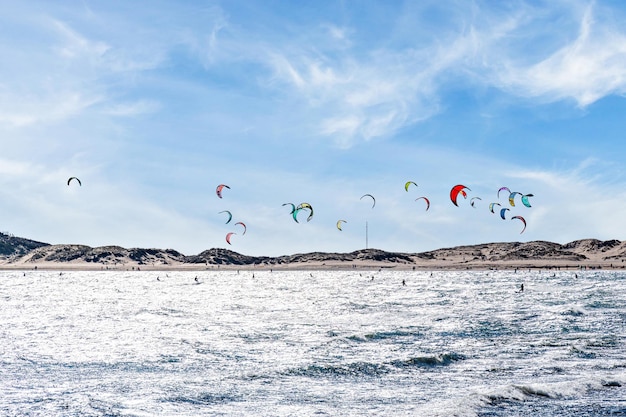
[153, 104]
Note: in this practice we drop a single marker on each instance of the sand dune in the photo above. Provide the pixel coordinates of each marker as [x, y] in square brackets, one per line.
[586, 253]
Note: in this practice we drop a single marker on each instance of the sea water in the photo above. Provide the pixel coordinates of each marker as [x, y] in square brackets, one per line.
[313, 343]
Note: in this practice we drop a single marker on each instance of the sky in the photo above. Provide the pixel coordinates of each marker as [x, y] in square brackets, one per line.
[152, 105]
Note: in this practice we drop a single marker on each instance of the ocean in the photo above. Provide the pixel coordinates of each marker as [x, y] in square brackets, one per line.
[313, 343]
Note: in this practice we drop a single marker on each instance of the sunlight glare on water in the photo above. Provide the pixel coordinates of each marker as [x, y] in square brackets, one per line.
[295, 343]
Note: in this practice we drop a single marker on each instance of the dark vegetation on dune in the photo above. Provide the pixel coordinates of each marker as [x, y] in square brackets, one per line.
[17, 246]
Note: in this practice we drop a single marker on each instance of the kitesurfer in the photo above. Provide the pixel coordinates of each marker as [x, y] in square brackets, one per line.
[521, 287]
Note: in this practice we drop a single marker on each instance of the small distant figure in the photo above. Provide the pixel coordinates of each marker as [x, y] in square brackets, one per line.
[521, 287]
[403, 283]
[158, 279]
[196, 279]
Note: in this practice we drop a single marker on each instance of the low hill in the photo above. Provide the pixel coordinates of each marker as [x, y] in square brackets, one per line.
[11, 246]
[103, 255]
[586, 253]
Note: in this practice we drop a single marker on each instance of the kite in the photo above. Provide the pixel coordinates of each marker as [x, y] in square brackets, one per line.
[426, 200]
[339, 223]
[408, 183]
[503, 188]
[491, 206]
[371, 196]
[525, 199]
[472, 200]
[230, 216]
[74, 178]
[244, 227]
[294, 213]
[303, 206]
[455, 191]
[512, 198]
[503, 212]
[228, 237]
[219, 189]
[293, 207]
[522, 220]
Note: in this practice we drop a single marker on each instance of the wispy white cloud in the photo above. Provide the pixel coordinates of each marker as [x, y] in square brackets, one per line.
[74, 45]
[358, 101]
[56, 91]
[588, 68]
[358, 96]
[25, 110]
[341, 35]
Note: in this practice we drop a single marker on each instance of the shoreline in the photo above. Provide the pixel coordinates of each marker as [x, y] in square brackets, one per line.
[433, 265]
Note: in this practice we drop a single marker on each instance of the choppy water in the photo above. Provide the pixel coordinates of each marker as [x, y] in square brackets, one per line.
[312, 343]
